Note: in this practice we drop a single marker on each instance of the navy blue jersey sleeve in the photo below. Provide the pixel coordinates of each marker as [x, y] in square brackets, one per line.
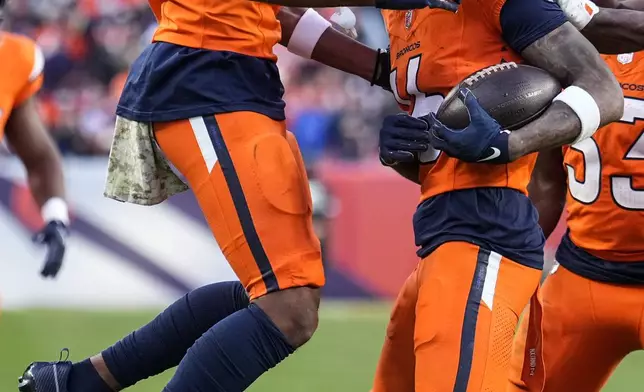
[525, 21]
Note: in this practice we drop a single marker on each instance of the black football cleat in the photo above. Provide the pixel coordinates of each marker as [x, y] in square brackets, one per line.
[46, 376]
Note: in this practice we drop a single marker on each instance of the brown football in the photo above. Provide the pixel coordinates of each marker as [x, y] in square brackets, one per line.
[513, 94]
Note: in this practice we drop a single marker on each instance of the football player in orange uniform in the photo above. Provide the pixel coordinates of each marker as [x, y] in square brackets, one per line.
[481, 246]
[588, 315]
[21, 72]
[209, 91]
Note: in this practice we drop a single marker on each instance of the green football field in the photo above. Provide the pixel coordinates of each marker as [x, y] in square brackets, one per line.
[341, 357]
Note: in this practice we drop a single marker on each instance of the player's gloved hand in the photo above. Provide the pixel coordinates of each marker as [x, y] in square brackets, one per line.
[402, 137]
[578, 12]
[345, 21]
[52, 236]
[482, 141]
[382, 70]
[418, 4]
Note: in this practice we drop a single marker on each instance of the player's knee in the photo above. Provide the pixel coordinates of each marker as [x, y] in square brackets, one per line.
[294, 311]
[300, 325]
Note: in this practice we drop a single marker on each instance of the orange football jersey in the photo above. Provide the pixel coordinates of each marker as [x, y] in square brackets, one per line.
[207, 56]
[239, 26]
[20, 73]
[606, 175]
[432, 51]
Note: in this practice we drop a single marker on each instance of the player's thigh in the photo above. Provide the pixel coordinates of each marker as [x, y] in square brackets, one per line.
[467, 310]
[395, 370]
[250, 183]
[567, 344]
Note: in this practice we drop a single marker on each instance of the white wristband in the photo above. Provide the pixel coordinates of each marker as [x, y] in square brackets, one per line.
[578, 12]
[307, 33]
[55, 209]
[584, 105]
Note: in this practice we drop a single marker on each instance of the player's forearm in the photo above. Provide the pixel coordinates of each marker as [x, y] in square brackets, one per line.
[37, 150]
[615, 31]
[549, 209]
[559, 125]
[410, 171]
[547, 189]
[335, 49]
[345, 54]
[288, 18]
[637, 5]
[44, 171]
[45, 178]
[573, 60]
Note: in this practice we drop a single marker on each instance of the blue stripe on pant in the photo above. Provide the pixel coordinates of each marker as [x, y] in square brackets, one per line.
[241, 206]
[468, 332]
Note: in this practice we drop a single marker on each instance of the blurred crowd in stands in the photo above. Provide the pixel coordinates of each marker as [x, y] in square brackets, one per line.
[88, 45]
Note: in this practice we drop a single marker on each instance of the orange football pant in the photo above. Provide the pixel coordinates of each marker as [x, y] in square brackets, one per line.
[452, 325]
[575, 333]
[248, 176]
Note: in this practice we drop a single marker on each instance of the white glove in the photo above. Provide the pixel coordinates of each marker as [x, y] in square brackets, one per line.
[346, 19]
[578, 12]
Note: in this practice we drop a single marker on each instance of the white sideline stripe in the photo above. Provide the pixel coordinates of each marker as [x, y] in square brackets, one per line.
[203, 140]
[491, 276]
[92, 278]
[167, 237]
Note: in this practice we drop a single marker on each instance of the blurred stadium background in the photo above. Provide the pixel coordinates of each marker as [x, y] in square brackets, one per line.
[125, 263]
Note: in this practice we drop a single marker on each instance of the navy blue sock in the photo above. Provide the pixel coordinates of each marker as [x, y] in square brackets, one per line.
[83, 377]
[161, 344]
[232, 354]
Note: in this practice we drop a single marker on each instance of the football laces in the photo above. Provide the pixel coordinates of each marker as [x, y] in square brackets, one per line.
[475, 78]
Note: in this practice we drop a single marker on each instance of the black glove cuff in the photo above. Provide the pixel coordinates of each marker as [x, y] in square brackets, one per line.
[382, 70]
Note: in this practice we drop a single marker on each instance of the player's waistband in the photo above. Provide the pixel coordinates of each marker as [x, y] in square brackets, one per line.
[220, 42]
[582, 263]
[502, 220]
[169, 82]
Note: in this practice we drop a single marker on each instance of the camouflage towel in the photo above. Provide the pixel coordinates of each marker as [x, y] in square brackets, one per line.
[137, 171]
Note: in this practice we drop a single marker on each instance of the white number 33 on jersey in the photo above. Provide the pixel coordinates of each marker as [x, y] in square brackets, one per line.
[621, 187]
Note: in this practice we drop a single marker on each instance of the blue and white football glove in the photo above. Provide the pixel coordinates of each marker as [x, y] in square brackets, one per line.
[418, 4]
[402, 138]
[484, 140]
[53, 237]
